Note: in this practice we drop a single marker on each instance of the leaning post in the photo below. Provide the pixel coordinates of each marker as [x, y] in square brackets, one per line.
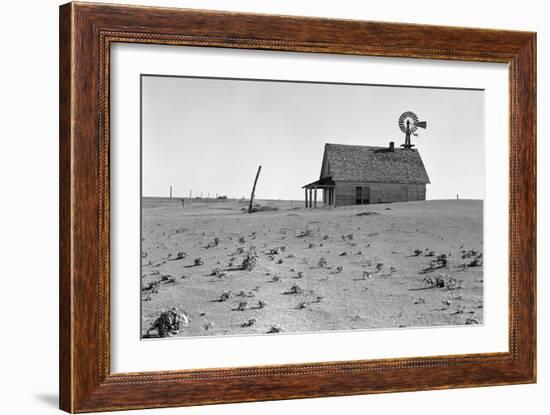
[254, 189]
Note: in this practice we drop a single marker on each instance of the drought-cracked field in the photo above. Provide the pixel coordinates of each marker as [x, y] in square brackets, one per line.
[293, 269]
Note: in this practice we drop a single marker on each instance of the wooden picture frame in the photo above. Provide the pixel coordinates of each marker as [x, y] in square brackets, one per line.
[86, 33]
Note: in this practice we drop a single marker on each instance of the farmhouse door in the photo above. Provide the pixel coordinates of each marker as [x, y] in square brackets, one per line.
[358, 195]
[404, 194]
[366, 195]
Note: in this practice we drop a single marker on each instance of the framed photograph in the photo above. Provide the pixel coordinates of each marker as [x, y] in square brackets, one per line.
[258, 207]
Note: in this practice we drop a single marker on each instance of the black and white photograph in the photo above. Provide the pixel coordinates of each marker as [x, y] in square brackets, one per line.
[275, 206]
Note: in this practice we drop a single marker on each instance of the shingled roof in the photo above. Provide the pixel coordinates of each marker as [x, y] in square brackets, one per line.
[373, 164]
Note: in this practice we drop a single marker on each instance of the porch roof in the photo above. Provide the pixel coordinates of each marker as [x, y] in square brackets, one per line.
[324, 183]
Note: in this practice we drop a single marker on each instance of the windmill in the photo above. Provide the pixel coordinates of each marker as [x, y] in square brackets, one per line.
[408, 123]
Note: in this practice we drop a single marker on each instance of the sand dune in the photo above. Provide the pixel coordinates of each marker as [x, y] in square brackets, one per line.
[357, 267]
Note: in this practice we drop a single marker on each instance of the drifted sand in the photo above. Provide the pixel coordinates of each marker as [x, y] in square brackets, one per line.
[332, 298]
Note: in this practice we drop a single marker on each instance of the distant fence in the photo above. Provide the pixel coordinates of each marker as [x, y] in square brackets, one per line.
[213, 200]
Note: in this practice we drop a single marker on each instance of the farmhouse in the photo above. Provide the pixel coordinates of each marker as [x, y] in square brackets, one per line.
[355, 175]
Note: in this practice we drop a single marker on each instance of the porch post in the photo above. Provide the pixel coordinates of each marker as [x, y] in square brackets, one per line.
[310, 198]
[315, 197]
[306, 195]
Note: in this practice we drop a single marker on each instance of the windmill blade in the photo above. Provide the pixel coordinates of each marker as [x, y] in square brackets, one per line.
[421, 124]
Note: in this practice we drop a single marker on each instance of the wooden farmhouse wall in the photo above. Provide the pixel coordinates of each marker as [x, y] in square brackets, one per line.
[347, 192]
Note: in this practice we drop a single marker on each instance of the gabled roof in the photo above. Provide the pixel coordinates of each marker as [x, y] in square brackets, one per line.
[373, 164]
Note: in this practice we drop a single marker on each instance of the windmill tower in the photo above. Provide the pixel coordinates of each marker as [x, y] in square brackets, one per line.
[409, 123]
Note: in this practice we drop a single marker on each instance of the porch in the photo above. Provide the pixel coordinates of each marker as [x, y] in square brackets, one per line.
[327, 186]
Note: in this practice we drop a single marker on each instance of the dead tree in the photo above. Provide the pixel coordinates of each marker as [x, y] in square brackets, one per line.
[254, 189]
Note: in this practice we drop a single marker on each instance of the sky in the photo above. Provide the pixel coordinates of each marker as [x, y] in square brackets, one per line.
[209, 135]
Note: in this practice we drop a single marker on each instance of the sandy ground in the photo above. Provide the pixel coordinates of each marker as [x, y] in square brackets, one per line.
[372, 277]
